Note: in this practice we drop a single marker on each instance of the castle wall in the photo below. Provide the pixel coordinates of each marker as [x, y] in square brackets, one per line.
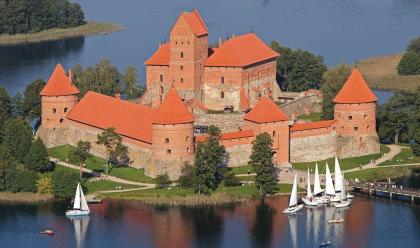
[226, 122]
[55, 110]
[302, 105]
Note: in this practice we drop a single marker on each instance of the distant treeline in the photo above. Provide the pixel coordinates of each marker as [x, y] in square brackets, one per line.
[29, 16]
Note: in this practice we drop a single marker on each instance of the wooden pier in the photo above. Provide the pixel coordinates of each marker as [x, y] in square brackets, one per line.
[390, 191]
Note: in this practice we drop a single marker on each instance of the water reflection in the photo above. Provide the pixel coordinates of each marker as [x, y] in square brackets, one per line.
[263, 226]
[80, 229]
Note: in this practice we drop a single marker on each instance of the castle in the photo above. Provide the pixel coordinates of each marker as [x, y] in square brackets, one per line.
[185, 77]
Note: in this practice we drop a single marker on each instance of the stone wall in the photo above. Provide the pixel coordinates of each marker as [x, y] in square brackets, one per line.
[301, 105]
[312, 147]
[238, 155]
[355, 146]
[226, 122]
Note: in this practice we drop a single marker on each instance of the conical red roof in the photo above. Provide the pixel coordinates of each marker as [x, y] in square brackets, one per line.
[265, 111]
[172, 110]
[355, 90]
[59, 84]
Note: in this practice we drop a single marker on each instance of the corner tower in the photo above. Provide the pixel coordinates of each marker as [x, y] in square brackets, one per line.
[172, 136]
[355, 112]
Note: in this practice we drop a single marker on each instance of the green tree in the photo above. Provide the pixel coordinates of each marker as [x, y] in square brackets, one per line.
[18, 138]
[119, 156]
[186, 180]
[8, 166]
[334, 80]
[37, 157]
[230, 179]
[210, 159]
[414, 45]
[31, 106]
[44, 185]
[110, 140]
[409, 64]
[17, 105]
[64, 183]
[261, 161]
[131, 88]
[25, 180]
[163, 181]
[5, 109]
[80, 154]
[414, 124]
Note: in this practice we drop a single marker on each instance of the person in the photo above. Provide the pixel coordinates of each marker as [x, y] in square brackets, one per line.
[249, 172]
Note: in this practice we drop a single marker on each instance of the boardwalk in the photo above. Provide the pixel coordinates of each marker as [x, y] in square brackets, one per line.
[390, 191]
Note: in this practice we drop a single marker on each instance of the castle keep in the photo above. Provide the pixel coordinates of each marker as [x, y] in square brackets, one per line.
[186, 78]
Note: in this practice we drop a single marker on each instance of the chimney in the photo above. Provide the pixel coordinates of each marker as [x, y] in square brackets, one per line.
[220, 41]
[118, 96]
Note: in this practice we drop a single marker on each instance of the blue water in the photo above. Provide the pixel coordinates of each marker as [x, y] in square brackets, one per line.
[341, 31]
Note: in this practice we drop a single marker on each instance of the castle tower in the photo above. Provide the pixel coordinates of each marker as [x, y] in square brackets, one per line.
[57, 99]
[355, 112]
[172, 136]
[188, 50]
[267, 117]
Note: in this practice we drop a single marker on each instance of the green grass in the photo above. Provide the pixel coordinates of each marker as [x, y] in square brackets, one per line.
[345, 164]
[377, 174]
[246, 178]
[97, 164]
[314, 116]
[106, 185]
[241, 169]
[403, 158]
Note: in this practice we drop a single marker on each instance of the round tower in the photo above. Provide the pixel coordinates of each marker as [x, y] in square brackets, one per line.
[172, 136]
[57, 99]
[355, 112]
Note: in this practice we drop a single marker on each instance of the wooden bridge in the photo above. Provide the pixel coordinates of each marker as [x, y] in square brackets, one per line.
[386, 190]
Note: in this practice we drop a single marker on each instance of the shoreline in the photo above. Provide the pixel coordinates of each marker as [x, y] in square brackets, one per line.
[88, 29]
[25, 197]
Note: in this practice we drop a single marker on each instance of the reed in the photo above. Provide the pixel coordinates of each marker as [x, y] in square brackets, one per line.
[90, 28]
[25, 197]
[381, 73]
[217, 199]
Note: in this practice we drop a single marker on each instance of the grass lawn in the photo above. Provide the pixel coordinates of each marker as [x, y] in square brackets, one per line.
[241, 169]
[380, 173]
[246, 178]
[97, 164]
[314, 116]
[345, 164]
[106, 185]
[403, 158]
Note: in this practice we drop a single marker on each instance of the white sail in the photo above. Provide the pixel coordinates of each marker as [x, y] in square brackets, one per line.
[329, 186]
[293, 196]
[83, 203]
[338, 176]
[308, 189]
[343, 190]
[76, 204]
[317, 185]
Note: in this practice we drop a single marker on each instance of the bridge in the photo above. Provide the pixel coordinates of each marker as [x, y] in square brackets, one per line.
[388, 190]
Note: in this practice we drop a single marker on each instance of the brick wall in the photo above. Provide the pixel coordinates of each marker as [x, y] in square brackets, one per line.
[313, 144]
[226, 122]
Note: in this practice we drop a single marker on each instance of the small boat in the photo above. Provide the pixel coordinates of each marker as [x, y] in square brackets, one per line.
[309, 199]
[293, 206]
[325, 243]
[80, 206]
[344, 201]
[335, 221]
[48, 232]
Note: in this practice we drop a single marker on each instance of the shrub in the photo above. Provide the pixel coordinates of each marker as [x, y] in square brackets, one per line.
[162, 181]
[186, 180]
[25, 180]
[44, 185]
[231, 180]
[64, 183]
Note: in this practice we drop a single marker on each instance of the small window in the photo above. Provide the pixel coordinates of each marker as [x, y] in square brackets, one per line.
[350, 117]
[182, 80]
[161, 89]
[356, 129]
[166, 141]
[54, 110]
[161, 78]
[181, 68]
[168, 151]
[222, 94]
[368, 127]
[65, 110]
[182, 55]
[188, 149]
[274, 133]
[187, 138]
[365, 117]
[61, 120]
[160, 98]
[222, 80]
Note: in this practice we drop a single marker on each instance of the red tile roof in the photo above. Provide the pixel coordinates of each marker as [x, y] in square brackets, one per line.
[312, 125]
[244, 100]
[101, 111]
[160, 57]
[241, 51]
[265, 111]
[228, 135]
[59, 84]
[355, 90]
[195, 22]
[173, 110]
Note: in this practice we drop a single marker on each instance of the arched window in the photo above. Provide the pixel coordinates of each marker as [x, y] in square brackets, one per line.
[182, 55]
[222, 94]
[65, 110]
[61, 120]
[365, 117]
[350, 117]
[166, 141]
[274, 133]
[182, 80]
[54, 110]
[356, 129]
[168, 151]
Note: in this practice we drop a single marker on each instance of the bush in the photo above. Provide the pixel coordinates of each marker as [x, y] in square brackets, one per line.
[162, 181]
[186, 180]
[25, 181]
[409, 64]
[231, 180]
[44, 185]
[64, 184]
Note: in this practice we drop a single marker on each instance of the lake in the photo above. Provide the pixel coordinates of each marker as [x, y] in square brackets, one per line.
[368, 223]
[341, 31]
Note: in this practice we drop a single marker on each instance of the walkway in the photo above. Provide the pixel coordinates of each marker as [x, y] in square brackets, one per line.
[394, 150]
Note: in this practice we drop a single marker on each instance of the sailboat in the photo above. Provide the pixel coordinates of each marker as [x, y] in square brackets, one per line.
[329, 186]
[80, 206]
[317, 188]
[344, 201]
[293, 206]
[309, 199]
[337, 176]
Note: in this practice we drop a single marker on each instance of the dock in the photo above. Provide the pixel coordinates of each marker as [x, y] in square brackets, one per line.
[91, 199]
[390, 191]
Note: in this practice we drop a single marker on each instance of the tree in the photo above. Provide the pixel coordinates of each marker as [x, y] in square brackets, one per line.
[44, 185]
[261, 161]
[162, 181]
[119, 156]
[7, 169]
[334, 80]
[5, 109]
[37, 157]
[409, 64]
[131, 88]
[17, 105]
[18, 138]
[414, 125]
[414, 45]
[31, 106]
[209, 161]
[80, 154]
[230, 179]
[186, 180]
[25, 180]
[110, 139]
[64, 183]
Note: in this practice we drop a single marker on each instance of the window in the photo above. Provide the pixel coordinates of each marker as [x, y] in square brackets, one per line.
[161, 78]
[222, 94]
[54, 110]
[182, 80]
[274, 133]
[188, 149]
[365, 117]
[356, 128]
[160, 98]
[161, 89]
[168, 151]
[350, 117]
[65, 110]
[368, 127]
[61, 120]
[181, 68]
[187, 139]
[222, 80]
[182, 55]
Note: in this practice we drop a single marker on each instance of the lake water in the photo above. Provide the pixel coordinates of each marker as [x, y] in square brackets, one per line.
[341, 31]
[368, 223]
